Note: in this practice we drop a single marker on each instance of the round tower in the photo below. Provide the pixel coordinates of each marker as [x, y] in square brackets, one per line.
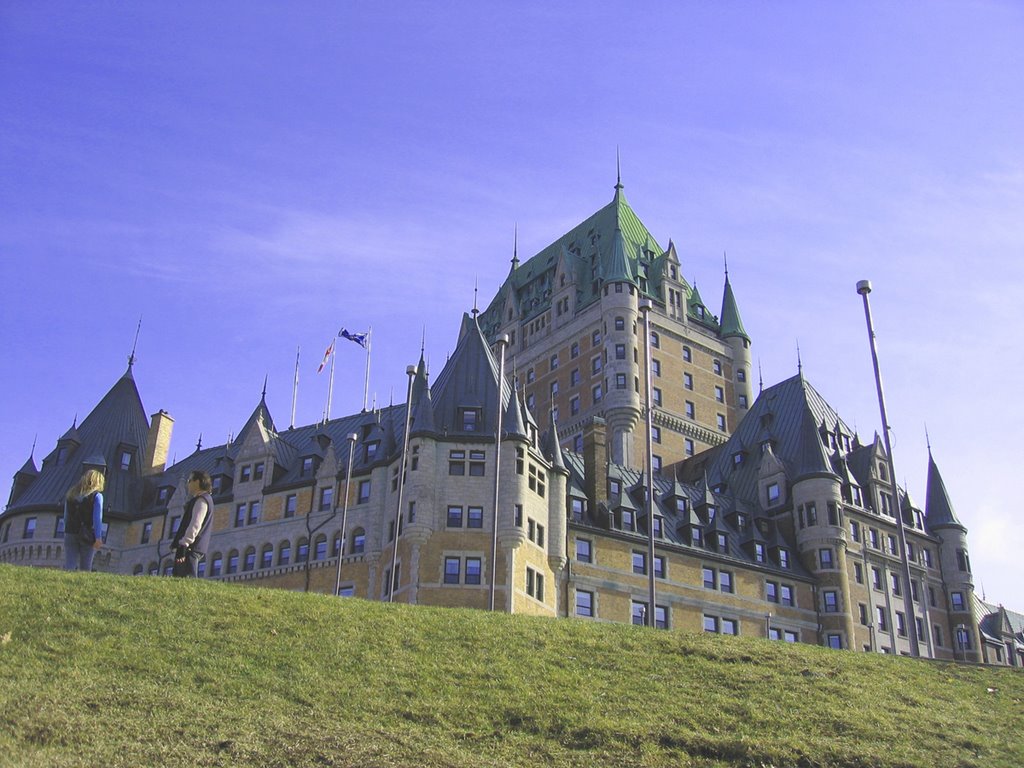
[622, 352]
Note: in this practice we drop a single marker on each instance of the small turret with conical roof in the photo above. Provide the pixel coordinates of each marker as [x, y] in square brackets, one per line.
[954, 561]
[732, 332]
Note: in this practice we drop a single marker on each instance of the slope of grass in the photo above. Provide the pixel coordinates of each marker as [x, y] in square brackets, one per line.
[105, 670]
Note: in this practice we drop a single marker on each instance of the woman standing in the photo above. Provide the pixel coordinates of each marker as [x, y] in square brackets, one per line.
[83, 521]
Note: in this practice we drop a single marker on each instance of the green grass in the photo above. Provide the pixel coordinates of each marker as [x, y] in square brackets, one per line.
[118, 671]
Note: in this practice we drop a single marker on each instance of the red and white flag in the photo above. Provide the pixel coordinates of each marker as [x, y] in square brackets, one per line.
[327, 356]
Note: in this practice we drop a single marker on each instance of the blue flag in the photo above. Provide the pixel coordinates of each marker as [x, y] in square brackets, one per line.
[358, 338]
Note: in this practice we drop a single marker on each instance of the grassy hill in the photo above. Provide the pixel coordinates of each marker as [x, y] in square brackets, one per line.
[118, 671]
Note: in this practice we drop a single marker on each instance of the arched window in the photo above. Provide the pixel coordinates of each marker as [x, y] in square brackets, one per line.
[267, 556]
[284, 553]
[250, 559]
[320, 547]
[336, 545]
[302, 551]
[216, 564]
[233, 561]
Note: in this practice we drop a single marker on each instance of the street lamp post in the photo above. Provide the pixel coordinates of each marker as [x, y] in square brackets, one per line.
[411, 372]
[864, 288]
[344, 511]
[645, 310]
[502, 342]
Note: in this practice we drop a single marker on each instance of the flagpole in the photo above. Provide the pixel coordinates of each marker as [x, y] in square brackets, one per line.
[295, 388]
[330, 387]
[366, 383]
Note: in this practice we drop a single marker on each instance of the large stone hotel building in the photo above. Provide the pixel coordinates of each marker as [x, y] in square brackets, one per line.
[771, 517]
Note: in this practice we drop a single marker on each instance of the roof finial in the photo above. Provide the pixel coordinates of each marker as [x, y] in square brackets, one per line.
[199, 443]
[799, 362]
[476, 279]
[618, 171]
[423, 340]
[263, 396]
[515, 247]
[927, 440]
[32, 453]
[131, 357]
[760, 378]
[725, 257]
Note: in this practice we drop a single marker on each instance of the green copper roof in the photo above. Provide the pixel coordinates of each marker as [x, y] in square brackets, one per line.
[731, 324]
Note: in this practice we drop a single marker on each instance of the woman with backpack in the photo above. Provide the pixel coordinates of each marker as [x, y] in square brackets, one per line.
[83, 521]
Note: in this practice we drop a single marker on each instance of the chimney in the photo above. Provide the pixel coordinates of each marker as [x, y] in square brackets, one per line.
[595, 462]
[158, 442]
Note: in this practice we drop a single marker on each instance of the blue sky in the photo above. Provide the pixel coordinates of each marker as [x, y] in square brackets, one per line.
[249, 177]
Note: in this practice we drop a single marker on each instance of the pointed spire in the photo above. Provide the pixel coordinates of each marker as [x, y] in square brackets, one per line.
[199, 443]
[263, 394]
[553, 448]
[938, 509]
[476, 311]
[799, 362]
[618, 172]
[760, 378]
[131, 357]
[813, 460]
[513, 418]
[515, 247]
[731, 324]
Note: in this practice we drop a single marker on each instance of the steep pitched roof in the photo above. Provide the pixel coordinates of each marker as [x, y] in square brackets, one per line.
[938, 508]
[468, 380]
[731, 324]
[118, 421]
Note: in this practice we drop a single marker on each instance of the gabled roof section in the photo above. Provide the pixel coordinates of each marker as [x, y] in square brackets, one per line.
[591, 241]
[468, 380]
[938, 508]
[118, 422]
[260, 419]
[787, 414]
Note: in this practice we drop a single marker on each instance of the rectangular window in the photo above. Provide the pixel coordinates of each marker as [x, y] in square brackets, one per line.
[957, 600]
[895, 581]
[719, 394]
[688, 381]
[825, 558]
[656, 396]
[771, 591]
[659, 566]
[584, 551]
[245, 474]
[716, 365]
[30, 528]
[786, 593]
[474, 568]
[147, 531]
[689, 446]
[710, 582]
[470, 419]
[475, 517]
[855, 530]
[720, 419]
[883, 620]
[326, 498]
[254, 512]
[290, 505]
[710, 623]
[574, 405]
[691, 410]
[452, 570]
[639, 563]
[725, 581]
[257, 471]
[835, 641]
[239, 515]
[656, 367]
[901, 624]
[574, 350]
[364, 491]
[831, 601]
[454, 517]
[584, 603]
[730, 627]
[596, 394]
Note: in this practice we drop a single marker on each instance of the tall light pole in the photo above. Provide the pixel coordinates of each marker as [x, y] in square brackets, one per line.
[645, 310]
[864, 288]
[411, 372]
[502, 342]
[344, 510]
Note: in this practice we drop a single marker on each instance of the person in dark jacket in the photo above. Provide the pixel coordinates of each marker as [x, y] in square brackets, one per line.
[193, 535]
[83, 521]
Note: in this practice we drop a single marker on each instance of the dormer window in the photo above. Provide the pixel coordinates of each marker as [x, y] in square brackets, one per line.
[307, 466]
[737, 458]
[614, 487]
[162, 495]
[246, 474]
[470, 419]
[218, 484]
[62, 456]
[258, 470]
[773, 493]
[125, 459]
[370, 451]
[700, 311]
[680, 506]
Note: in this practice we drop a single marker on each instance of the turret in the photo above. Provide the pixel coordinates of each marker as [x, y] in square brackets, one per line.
[622, 351]
[731, 330]
[954, 561]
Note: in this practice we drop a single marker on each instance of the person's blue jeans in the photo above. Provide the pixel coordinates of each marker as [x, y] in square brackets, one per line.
[77, 554]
